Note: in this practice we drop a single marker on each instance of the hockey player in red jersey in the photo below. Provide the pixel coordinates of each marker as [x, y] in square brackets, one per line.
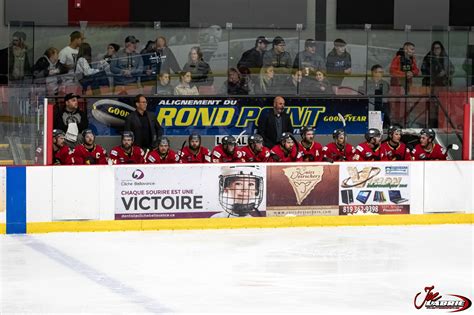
[427, 149]
[162, 154]
[370, 149]
[89, 153]
[255, 151]
[393, 149]
[339, 150]
[227, 152]
[127, 153]
[312, 151]
[194, 152]
[287, 150]
[62, 154]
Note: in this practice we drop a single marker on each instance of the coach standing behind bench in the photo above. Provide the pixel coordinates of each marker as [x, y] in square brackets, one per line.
[276, 122]
[143, 124]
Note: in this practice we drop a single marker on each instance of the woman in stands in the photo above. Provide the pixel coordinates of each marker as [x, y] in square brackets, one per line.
[184, 87]
[201, 74]
[88, 76]
[266, 82]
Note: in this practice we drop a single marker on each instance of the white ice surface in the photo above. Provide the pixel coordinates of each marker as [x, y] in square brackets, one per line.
[338, 270]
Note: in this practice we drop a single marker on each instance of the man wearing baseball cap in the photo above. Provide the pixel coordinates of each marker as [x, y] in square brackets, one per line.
[308, 60]
[279, 59]
[70, 119]
[253, 58]
[127, 66]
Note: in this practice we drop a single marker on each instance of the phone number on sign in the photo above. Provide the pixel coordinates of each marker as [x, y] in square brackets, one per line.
[353, 209]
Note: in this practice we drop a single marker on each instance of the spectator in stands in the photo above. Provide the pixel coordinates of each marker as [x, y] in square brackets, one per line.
[253, 58]
[127, 66]
[150, 64]
[436, 68]
[376, 85]
[279, 59]
[89, 153]
[167, 58]
[62, 154]
[233, 85]
[274, 123]
[200, 70]
[316, 83]
[143, 124]
[266, 83]
[293, 83]
[112, 50]
[127, 152]
[339, 150]
[184, 87]
[403, 67]
[46, 69]
[247, 82]
[308, 60]
[70, 118]
[164, 86]
[194, 152]
[19, 59]
[161, 154]
[338, 63]
[88, 76]
[68, 57]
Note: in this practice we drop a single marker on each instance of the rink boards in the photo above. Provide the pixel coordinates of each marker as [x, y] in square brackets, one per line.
[147, 197]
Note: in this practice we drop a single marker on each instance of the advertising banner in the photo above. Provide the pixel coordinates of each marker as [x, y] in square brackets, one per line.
[202, 191]
[3, 192]
[224, 116]
[302, 190]
[377, 188]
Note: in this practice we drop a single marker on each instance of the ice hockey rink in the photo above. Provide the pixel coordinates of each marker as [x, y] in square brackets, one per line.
[332, 270]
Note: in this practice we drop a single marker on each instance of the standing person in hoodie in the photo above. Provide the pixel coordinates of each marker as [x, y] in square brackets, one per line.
[403, 67]
[338, 63]
[436, 68]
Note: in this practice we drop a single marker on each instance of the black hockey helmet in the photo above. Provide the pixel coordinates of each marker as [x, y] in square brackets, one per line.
[229, 140]
[256, 138]
[428, 132]
[372, 133]
[163, 141]
[86, 132]
[194, 136]
[337, 132]
[392, 129]
[285, 136]
[58, 132]
[306, 129]
[128, 134]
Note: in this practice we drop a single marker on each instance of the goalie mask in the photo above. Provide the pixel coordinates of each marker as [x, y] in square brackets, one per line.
[240, 189]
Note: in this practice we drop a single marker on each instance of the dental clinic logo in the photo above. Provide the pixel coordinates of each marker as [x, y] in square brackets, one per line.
[433, 300]
[138, 174]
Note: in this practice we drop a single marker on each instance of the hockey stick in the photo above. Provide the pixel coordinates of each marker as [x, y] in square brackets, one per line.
[181, 151]
[240, 136]
[343, 120]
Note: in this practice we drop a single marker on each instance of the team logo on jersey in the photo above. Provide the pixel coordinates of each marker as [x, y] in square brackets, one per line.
[138, 174]
[433, 300]
[303, 180]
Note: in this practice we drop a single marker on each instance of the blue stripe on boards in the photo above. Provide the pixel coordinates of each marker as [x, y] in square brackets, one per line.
[16, 200]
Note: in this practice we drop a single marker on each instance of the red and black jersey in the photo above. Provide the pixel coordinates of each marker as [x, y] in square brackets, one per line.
[365, 153]
[250, 156]
[312, 154]
[201, 156]
[218, 155]
[119, 156]
[277, 154]
[154, 157]
[63, 156]
[85, 156]
[398, 153]
[332, 152]
[436, 153]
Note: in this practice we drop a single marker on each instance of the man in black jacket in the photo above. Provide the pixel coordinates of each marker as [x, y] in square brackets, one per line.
[71, 119]
[252, 59]
[143, 124]
[276, 122]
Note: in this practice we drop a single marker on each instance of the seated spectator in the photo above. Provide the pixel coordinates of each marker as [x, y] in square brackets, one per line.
[46, 69]
[184, 87]
[252, 59]
[127, 66]
[87, 76]
[233, 85]
[292, 85]
[167, 58]
[437, 69]
[89, 153]
[316, 84]
[376, 85]
[338, 63]
[71, 119]
[279, 59]
[403, 67]
[266, 83]
[62, 154]
[164, 86]
[112, 50]
[162, 154]
[200, 70]
[247, 82]
[308, 60]
[127, 152]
